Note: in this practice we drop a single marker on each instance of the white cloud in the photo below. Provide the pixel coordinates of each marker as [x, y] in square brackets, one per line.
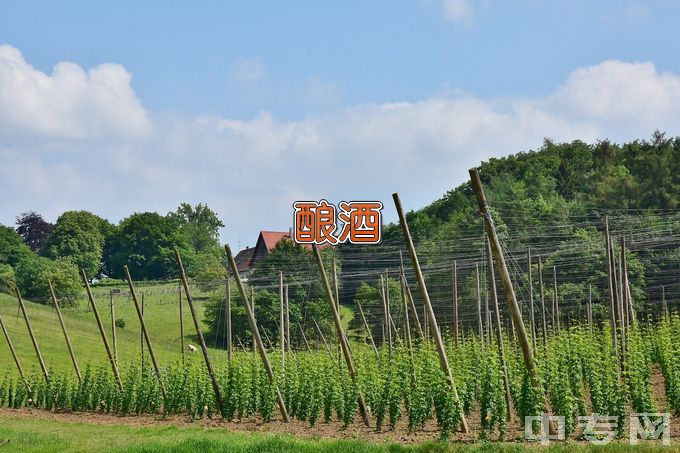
[252, 170]
[70, 103]
[458, 10]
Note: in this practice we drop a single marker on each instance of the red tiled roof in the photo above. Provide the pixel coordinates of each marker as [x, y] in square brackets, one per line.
[271, 238]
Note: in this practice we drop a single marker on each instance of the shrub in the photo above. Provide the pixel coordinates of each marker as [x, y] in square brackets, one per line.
[7, 278]
[32, 275]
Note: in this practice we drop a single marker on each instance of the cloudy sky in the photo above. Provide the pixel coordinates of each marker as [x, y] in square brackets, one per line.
[140, 105]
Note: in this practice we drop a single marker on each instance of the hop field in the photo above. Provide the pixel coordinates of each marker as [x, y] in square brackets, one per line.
[406, 390]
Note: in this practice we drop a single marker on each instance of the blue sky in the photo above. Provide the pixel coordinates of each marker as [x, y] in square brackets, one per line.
[244, 105]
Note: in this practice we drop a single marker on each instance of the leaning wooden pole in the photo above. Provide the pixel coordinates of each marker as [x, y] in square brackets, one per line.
[114, 341]
[181, 326]
[532, 320]
[15, 357]
[145, 333]
[368, 331]
[499, 333]
[443, 359]
[610, 284]
[515, 312]
[404, 307]
[256, 333]
[344, 344]
[199, 333]
[102, 332]
[64, 331]
[323, 338]
[32, 335]
[412, 304]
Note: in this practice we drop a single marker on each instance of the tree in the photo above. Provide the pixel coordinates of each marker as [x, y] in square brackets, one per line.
[77, 235]
[200, 224]
[145, 242]
[207, 266]
[7, 279]
[33, 229]
[12, 247]
[33, 273]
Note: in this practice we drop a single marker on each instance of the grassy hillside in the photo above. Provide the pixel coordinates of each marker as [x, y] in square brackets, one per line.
[161, 315]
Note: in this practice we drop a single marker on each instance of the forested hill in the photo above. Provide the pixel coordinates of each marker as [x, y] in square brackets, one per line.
[554, 201]
[565, 179]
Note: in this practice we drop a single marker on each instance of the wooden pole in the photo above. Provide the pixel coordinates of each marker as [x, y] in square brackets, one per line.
[617, 307]
[515, 312]
[368, 330]
[544, 313]
[288, 343]
[590, 308]
[630, 312]
[341, 335]
[532, 321]
[32, 335]
[256, 334]
[404, 307]
[499, 333]
[102, 332]
[230, 346]
[145, 333]
[610, 282]
[664, 305]
[15, 357]
[480, 332]
[412, 304]
[243, 348]
[387, 338]
[443, 359]
[64, 331]
[141, 339]
[199, 333]
[181, 326]
[455, 301]
[304, 338]
[556, 306]
[266, 337]
[282, 323]
[113, 326]
[408, 296]
[323, 339]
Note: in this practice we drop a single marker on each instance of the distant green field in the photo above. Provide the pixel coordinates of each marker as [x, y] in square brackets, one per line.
[161, 316]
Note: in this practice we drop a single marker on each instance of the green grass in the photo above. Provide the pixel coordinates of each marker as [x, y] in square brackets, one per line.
[19, 433]
[161, 315]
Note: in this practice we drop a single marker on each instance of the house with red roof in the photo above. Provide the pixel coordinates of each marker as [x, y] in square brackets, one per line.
[266, 241]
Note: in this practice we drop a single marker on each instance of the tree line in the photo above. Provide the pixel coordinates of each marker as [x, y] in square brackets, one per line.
[37, 250]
